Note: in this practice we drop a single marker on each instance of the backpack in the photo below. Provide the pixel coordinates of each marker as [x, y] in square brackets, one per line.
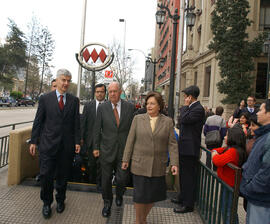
[213, 137]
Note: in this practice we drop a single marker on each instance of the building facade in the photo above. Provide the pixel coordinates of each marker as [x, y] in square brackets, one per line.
[163, 46]
[199, 65]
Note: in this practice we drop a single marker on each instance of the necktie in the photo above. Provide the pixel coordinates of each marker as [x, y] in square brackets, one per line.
[116, 114]
[61, 102]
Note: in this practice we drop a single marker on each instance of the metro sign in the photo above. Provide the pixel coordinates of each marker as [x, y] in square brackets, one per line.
[95, 57]
[108, 74]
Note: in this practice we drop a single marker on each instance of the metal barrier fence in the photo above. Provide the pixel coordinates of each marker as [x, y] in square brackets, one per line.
[4, 143]
[216, 199]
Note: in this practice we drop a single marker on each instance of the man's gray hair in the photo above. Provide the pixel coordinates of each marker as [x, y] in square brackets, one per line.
[64, 72]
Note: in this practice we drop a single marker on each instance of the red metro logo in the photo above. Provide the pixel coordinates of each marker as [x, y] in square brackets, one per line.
[95, 57]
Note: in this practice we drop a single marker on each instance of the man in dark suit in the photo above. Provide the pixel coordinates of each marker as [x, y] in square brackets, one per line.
[114, 118]
[191, 123]
[57, 128]
[250, 109]
[87, 132]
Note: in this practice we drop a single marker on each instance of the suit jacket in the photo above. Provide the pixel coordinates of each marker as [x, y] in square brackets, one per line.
[191, 123]
[53, 126]
[148, 150]
[88, 123]
[109, 138]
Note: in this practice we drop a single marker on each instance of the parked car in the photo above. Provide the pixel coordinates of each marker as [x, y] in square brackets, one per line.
[26, 101]
[8, 102]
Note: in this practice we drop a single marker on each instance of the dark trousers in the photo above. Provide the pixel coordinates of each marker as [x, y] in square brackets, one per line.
[94, 169]
[106, 179]
[188, 172]
[52, 167]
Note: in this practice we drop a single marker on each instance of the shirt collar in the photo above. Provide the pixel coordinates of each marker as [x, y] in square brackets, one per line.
[58, 94]
[118, 104]
[193, 103]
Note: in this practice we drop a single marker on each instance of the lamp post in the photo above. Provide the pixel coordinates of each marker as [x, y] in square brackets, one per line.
[267, 50]
[190, 21]
[160, 16]
[154, 62]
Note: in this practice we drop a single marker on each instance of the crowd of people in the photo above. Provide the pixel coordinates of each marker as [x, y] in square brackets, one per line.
[127, 143]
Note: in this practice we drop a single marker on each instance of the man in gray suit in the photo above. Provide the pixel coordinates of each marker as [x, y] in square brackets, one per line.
[112, 126]
[87, 132]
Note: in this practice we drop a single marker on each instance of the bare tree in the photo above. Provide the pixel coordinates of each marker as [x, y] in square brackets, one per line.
[32, 43]
[45, 52]
[122, 67]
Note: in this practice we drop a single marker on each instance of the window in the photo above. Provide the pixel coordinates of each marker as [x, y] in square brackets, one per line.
[207, 80]
[261, 80]
[265, 15]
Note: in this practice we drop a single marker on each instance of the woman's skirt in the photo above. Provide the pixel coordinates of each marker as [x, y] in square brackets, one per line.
[149, 189]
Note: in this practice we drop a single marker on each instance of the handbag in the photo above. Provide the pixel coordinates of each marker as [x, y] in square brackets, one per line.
[213, 137]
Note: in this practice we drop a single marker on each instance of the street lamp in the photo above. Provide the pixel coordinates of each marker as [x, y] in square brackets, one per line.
[154, 62]
[266, 49]
[160, 15]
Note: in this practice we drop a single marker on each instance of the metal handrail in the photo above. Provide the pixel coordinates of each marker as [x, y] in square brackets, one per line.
[4, 143]
[234, 190]
[14, 124]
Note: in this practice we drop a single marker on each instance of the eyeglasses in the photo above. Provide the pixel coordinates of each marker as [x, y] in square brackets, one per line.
[100, 91]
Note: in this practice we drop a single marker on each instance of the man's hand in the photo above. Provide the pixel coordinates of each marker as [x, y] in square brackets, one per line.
[96, 153]
[32, 149]
[174, 170]
[77, 148]
[124, 165]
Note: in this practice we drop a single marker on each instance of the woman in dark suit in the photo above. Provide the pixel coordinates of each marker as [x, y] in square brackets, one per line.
[150, 138]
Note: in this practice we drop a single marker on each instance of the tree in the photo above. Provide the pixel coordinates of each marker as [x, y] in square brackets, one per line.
[233, 49]
[12, 54]
[32, 44]
[45, 52]
[33, 78]
[122, 67]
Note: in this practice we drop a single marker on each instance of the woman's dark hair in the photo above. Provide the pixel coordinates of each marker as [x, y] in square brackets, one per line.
[254, 120]
[236, 138]
[158, 98]
[241, 101]
[246, 115]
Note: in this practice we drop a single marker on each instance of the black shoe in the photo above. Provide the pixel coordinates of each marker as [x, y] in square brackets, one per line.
[176, 201]
[183, 209]
[46, 211]
[106, 211]
[60, 207]
[119, 200]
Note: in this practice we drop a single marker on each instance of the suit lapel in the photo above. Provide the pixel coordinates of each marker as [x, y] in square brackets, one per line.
[159, 124]
[55, 103]
[123, 111]
[147, 125]
[110, 109]
[67, 104]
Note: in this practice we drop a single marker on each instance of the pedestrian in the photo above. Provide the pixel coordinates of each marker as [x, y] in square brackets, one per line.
[57, 125]
[255, 183]
[87, 133]
[53, 85]
[239, 109]
[112, 125]
[251, 109]
[214, 123]
[235, 153]
[150, 138]
[191, 122]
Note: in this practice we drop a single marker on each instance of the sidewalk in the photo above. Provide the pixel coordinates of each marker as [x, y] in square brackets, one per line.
[20, 204]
